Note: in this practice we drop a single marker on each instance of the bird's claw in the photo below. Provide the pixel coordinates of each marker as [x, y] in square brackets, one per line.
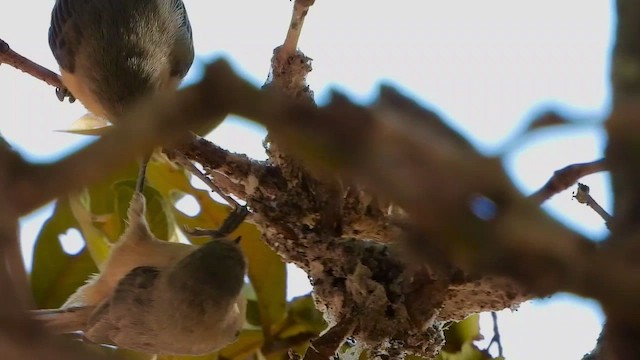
[233, 220]
[229, 225]
[62, 93]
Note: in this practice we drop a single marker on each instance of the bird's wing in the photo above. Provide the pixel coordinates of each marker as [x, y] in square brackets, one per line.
[182, 53]
[61, 33]
[63, 321]
[124, 318]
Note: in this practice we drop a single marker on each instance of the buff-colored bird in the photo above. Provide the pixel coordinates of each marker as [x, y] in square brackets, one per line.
[157, 296]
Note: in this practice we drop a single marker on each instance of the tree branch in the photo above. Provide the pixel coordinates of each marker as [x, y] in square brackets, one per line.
[459, 203]
[565, 178]
[12, 58]
[21, 337]
[388, 148]
[290, 45]
[582, 196]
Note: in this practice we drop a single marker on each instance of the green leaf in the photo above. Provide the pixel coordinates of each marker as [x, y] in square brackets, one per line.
[302, 323]
[56, 275]
[468, 352]
[253, 313]
[302, 318]
[303, 310]
[459, 341]
[462, 332]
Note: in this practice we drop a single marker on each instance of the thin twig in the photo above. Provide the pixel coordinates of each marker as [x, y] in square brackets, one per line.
[235, 173]
[187, 164]
[565, 178]
[496, 334]
[12, 58]
[289, 66]
[290, 45]
[583, 197]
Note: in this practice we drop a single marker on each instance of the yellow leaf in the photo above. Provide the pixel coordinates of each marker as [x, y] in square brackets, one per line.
[212, 356]
[88, 124]
[131, 355]
[268, 276]
[97, 242]
[247, 344]
[173, 182]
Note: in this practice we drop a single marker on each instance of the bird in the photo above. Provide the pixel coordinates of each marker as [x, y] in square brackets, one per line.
[152, 295]
[114, 53]
[158, 297]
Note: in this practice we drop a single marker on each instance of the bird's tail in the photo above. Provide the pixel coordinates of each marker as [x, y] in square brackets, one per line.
[62, 321]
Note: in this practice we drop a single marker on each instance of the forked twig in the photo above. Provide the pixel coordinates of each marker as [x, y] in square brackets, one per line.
[565, 178]
[496, 334]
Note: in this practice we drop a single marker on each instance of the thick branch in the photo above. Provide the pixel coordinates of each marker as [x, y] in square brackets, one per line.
[463, 203]
[20, 336]
[440, 182]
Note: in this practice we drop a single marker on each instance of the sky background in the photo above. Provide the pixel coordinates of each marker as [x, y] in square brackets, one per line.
[488, 67]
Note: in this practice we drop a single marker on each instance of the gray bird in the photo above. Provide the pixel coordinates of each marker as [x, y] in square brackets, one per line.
[113, 53]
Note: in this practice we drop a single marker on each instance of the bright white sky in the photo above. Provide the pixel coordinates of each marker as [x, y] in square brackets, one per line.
[486, 65]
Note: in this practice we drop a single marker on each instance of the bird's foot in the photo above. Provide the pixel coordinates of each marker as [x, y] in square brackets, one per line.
[63, 92]
[229, 225]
